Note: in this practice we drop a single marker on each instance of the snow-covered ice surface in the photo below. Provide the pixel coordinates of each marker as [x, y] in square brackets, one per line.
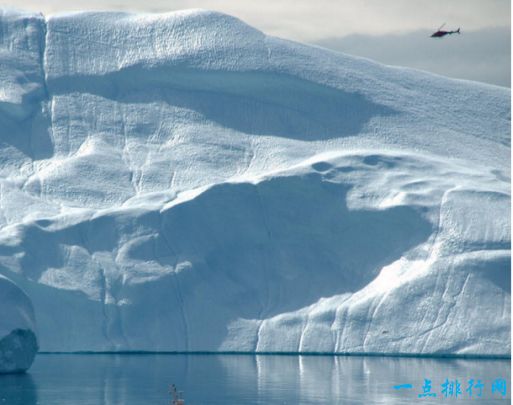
[18, 342]
[183, 182]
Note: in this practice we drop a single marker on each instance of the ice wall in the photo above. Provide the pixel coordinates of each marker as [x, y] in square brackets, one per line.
[183, 182]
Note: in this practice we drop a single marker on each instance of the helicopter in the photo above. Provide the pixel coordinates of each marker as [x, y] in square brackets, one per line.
[441, 33]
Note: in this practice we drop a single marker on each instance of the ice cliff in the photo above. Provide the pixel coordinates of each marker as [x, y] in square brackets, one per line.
[183, 182]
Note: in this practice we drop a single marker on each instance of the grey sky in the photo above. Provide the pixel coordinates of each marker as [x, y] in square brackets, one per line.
[389, 31]
[482, 55]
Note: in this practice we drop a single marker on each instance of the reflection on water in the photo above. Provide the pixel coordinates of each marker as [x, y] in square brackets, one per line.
[246, 379]
[17, 389]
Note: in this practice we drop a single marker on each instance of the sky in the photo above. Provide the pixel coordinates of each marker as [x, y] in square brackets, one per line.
[394, 32]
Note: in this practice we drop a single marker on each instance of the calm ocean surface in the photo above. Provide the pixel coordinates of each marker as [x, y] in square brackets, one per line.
[249, 379]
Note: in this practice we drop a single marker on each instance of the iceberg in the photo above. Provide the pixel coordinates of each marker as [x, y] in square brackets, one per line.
[183, 182]
[18, 342]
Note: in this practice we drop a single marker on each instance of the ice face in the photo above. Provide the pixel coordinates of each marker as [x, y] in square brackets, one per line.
[183, 182]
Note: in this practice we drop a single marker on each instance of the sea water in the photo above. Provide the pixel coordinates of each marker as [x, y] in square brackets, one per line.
[129, 379]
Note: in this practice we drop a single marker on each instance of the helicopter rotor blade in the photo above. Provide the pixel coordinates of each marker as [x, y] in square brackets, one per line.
[441, 26]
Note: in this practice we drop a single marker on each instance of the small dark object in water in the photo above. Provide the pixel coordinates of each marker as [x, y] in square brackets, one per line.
[176, 396]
